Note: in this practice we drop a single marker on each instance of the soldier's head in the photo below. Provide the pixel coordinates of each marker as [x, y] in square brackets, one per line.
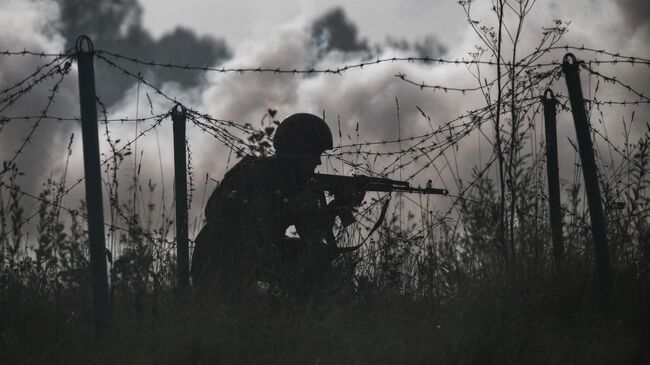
[300, 139]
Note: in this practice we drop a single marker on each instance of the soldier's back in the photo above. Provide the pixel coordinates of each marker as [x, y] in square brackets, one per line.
[243, 215]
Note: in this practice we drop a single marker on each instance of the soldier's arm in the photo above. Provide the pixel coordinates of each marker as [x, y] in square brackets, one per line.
[311, 215]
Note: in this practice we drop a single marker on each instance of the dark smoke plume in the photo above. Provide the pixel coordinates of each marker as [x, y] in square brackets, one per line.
[116, 25]
[338, 32]
[637, 12]
[429, 47]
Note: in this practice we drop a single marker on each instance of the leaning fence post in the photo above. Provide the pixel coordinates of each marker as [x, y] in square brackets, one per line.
[553, 175]
[598, 229]
[180, 178]
[92, 172]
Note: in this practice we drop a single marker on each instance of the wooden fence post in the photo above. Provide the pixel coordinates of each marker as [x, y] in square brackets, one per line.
[92, 172]
[180, 178]
[598, 228]
[553, 175]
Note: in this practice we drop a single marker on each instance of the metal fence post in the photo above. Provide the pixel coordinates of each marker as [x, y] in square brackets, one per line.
[92, 172]
[180, 178]
[598, 228]
[553, 175]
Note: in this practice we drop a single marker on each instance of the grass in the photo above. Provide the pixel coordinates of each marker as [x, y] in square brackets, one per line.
[456, 295]
[477, 326]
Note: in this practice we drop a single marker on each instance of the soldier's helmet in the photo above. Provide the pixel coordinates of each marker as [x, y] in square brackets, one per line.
[302, 134]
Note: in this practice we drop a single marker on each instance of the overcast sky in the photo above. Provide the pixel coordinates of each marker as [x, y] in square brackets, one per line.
[280, 34]
[246, 19]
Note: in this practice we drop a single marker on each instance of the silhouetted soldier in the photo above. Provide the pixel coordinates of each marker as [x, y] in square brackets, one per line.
[258, 199]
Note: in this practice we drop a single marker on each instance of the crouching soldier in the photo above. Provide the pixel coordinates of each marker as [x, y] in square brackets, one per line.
[244, 242]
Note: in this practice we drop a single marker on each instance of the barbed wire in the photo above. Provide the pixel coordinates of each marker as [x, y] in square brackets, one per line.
[78, 119]
[360, 65]
[60, 65]
[158, 120]
[75, 212]
[296, 71]
[30, 76]
[618, 58]
[230, 123]
[605, 139]
[139, 77]
[616, 102]
[102, 163]
[218, 127]
[26, 52]
[443, 128]
[219, 133]
[446, 89]
[491, 161]
[229, 139]
[422, 85]
[245, 127]
[630, 59]
[50, 100]
[533, 100]
[613, 80]
[479, 116]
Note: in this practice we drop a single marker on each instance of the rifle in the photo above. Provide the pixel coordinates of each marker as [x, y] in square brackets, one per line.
[348, 190]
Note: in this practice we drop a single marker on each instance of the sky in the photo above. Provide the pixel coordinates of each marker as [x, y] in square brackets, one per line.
[288, 34]
[375, 20]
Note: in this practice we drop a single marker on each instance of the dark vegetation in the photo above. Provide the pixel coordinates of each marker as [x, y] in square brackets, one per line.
[408, 296]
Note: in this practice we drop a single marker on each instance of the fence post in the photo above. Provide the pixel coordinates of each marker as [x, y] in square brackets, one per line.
[553, 175]
[180, 178]
[598, 229]
[92, 172]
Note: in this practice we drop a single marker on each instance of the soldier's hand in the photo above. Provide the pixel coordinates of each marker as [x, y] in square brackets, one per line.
[358, 197]
[309, 199]
[349, 199]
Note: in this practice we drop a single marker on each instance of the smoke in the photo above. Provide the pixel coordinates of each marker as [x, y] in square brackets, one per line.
[430, 46]
[30, 24]
[637, 13]
[363, 102]
[366, 98]
[116, 25]
[338, 32]
[53, 26]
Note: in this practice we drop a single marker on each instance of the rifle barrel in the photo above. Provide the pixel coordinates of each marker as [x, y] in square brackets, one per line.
[424, 190]
[377, 184]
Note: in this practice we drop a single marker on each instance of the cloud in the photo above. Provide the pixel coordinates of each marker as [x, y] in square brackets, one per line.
[637, 12]
[338, 32]
[30, 22]
[53, 26]
[365, 97]
[334, 31]
[116, 25]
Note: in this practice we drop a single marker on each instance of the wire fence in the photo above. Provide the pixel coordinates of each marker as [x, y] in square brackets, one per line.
[425, 152]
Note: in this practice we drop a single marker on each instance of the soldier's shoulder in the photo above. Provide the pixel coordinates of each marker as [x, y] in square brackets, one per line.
[254, 165]
[254, 169]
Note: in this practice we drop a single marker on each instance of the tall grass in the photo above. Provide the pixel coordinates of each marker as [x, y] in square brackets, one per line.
[409, 295]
